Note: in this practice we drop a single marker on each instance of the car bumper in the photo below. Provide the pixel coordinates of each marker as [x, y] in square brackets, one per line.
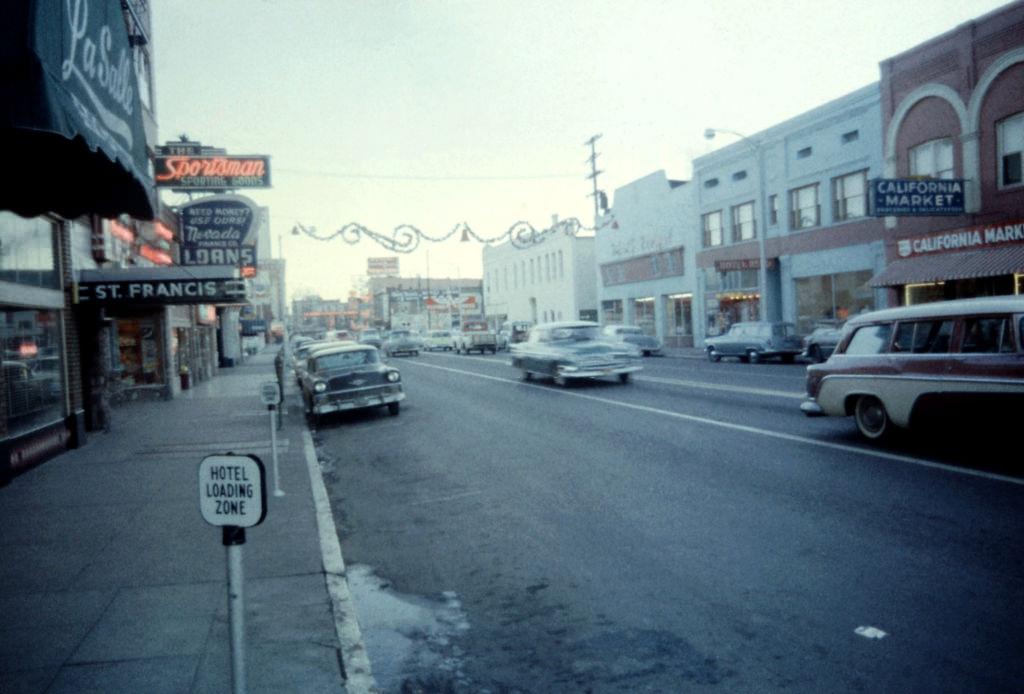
[328, 403]
[599, 371]
[811, 408]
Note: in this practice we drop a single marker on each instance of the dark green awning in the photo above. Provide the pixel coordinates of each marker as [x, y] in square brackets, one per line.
[71, 125]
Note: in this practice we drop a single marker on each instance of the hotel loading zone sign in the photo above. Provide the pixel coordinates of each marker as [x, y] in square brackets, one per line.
[906, 197]
[232, 490]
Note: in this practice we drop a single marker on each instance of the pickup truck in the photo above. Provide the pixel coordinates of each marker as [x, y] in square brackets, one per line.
[475, 335]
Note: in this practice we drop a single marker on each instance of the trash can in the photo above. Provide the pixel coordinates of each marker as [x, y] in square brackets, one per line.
[186, 379]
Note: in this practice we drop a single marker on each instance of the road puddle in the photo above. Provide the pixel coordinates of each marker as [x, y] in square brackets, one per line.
[409, 639]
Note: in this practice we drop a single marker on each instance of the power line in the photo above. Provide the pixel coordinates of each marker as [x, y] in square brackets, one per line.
[391, 177]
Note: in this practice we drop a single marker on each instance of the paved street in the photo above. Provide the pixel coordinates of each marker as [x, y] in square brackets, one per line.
[691, 531]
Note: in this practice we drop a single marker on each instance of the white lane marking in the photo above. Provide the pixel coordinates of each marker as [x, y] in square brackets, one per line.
[743, 428]
[723, 387]
[870, 632]
[358, 673]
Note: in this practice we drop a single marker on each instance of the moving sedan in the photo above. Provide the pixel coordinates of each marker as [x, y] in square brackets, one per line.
[568, 351]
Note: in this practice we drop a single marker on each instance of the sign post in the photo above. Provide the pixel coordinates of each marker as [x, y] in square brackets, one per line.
[232, 495]
[270, 395]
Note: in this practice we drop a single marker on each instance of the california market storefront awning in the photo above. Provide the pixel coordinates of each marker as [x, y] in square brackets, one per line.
[963, 265]
[71, 128]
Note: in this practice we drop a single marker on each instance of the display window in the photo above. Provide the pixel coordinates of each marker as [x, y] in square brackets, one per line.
[679, 313]
[139, 353]
[831, 299]
[611, 312]
[33, 388]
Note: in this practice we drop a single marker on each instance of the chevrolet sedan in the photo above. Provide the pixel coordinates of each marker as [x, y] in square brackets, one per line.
[349, 377]
[569, 351]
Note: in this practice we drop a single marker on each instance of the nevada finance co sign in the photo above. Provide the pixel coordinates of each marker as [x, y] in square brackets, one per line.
[218, 230]
[906, 197]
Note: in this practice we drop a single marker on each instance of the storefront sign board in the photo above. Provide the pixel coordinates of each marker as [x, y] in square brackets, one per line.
[906, 197]
[219, 230]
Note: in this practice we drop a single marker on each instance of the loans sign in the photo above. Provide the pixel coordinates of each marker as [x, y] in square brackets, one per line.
[219, 230]
[917, 197]
[232, 490]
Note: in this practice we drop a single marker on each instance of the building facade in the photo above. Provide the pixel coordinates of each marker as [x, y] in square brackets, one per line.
[795, 197]
[645, 254]
[551, 280]
[953, 109]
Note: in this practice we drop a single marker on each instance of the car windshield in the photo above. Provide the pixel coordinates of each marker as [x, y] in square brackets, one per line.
[369, 333]
[399, 334]
[344, 360]
[577, 333]
[630, 331]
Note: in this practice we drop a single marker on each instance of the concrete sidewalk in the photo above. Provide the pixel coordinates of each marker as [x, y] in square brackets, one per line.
[110, 580]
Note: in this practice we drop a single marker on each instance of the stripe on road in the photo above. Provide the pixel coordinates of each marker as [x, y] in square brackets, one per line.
[755, 431]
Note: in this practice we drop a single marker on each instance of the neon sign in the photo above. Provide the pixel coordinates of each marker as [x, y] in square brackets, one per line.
[212, 172]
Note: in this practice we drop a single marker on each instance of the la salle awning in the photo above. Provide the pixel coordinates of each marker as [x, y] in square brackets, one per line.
[938, 267]
[71, 130]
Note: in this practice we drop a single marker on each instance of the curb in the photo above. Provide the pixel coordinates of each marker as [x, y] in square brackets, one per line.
[355, 661]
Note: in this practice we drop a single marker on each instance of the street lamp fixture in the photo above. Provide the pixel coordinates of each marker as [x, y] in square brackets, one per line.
[762, 270]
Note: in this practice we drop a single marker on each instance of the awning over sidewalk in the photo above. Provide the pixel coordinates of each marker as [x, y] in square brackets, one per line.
[71, 129]
[208, 284]
[952, 266]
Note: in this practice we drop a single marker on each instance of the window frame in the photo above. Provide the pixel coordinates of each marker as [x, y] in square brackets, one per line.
[737, 225]
[840, 203]
[707, 230]
[933, 148]
[795, 219]
[1017, 120]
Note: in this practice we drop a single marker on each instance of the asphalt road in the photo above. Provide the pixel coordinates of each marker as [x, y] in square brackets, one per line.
[688, 532]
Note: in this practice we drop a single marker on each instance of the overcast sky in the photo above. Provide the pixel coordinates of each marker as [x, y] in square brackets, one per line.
[433, 113]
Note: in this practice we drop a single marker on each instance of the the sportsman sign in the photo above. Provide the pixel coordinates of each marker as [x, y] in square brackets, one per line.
[232, 490]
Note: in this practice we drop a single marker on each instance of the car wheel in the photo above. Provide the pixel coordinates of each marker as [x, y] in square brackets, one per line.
[713, 355]
[623, 378]
[814, 352]
[872, 419]
[754, 357]
[560, 381]
[787, 358]
[527, 376]
[394, 408]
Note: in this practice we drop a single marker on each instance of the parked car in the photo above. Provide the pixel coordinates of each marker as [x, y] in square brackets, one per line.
[301, 353]
[634, 335]
[402, 342]
[755, 341]
[960, 357]
[512, 333]
[349, 377]
[339, 335]
[371, 336]
[475, 336]
[567, 351]
[819, 345]
[438, 339]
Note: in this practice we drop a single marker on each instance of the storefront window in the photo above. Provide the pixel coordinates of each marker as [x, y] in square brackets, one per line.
[831, 299]
[32, 373]
[643, 315]
[679, 315]
[611, 312]
[139, 352]
[26, 251]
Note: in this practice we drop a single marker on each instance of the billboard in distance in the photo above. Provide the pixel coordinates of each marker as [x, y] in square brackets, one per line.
[382, 267]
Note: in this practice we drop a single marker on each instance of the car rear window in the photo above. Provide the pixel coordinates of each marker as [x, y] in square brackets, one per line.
[870, 339]
[992, 334]
[923, 337]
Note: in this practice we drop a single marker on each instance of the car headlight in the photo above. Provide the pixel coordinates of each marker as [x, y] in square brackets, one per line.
[319, 387]
[393, 376]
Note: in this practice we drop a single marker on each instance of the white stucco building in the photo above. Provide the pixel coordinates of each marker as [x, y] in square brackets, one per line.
[554, 279]
[645, 252]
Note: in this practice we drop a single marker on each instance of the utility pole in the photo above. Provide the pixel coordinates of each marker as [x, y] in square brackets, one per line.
[594, 173]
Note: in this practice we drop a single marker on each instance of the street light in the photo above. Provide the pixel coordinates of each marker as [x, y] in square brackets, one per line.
[762, 233]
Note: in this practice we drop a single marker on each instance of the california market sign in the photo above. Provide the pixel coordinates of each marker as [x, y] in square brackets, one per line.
[917, 197]
[962, 240]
